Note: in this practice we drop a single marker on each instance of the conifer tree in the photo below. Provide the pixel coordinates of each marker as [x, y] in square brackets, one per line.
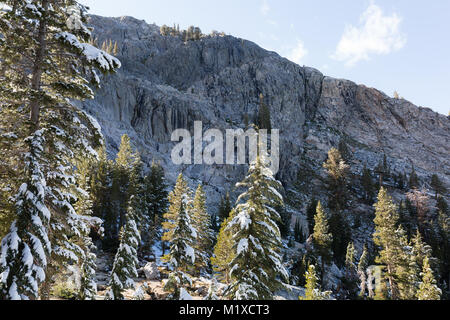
[224, 207]
[310, 214]
[205, 235]
[125, 183]
[337, 183]
[298, 232]
[367, 184]
[182, 237]
[155, 206]
[428, 289]
[362, 267]
[257, 266]
[322, 238]
[413, 179]
[223, 253]
[212, 291]
[437, 185]
[46, 60]
[126, 259]
[312, 288]
[350, 281]
[392, 242]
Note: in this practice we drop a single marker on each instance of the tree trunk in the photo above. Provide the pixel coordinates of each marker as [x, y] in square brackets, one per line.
[37, 66]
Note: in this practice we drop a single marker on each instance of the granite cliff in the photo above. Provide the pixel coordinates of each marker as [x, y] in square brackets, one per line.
[165, 84]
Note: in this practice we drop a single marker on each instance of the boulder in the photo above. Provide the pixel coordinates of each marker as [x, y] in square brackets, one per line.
[151, 271]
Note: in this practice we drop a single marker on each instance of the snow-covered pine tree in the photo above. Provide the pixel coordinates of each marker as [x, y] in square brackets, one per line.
[181, 256]
[350, 281]
[312, 288]
[84, 206]
[362, 266]
[126, 259]
[257, 266]
[125, 183]
[180, 193]
[212, 291]
[428, 289]
[45, 62]
[205, 234]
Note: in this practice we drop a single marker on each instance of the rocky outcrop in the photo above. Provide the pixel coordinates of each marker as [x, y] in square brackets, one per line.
[166, 84]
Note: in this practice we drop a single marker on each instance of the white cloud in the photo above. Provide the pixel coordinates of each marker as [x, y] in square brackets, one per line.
[265, 8]
[298, 52]
[377, 34]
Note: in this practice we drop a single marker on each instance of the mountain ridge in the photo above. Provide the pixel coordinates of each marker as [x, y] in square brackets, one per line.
[165, 84]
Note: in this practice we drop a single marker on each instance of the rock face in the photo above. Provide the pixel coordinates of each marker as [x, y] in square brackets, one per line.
[166, 84]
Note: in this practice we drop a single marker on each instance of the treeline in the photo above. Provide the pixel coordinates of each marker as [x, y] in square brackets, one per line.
[190, 34]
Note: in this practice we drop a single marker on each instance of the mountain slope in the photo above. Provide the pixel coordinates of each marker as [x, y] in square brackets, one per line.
[166, 84]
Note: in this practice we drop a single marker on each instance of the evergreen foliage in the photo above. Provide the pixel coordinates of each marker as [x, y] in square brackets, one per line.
[257, 266]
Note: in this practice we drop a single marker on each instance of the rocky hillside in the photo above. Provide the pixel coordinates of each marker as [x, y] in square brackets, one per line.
[166, 84]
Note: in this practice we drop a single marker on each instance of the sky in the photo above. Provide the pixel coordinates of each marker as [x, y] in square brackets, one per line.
[391, 45]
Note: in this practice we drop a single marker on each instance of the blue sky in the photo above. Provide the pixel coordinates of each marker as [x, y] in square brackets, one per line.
[390, 45]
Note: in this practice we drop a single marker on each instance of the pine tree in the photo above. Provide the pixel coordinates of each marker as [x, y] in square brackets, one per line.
[182, 237]
[223, 253]
[155, 206]
[212, 291]
[202, 223]
[368, 185]
[428, 289]
[413, 179]
[126, 259]
[125, 183]
[337, 183]
[437, 185]
[298, 232]
[224, 208]
[362, 267]
[392, 242]
[84, 206]
[322, 238]
[176, 197]
[350, 281]
[46, 61]
[312, 289]
[256, 242]
[310, 214]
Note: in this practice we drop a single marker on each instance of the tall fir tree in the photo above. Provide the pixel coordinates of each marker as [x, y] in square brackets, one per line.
[126, 260]
[428, 289]
[394, 251]
[181, 256]
[322, 238]
[337, 183]
[46, 61]
[225, 207]
[310, 214]
[223, 253]
[362, 267]
[257, 266]
[205, 234]
[312, 288]
[155, 205]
